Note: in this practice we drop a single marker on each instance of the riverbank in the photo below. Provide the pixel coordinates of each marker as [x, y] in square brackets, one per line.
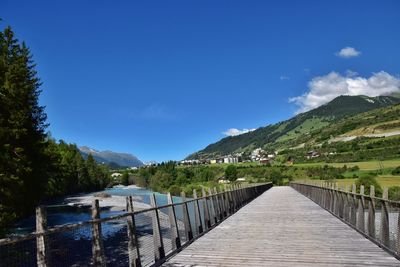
[111, 201]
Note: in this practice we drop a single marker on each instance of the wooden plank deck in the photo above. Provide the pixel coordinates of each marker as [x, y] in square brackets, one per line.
[282, 228]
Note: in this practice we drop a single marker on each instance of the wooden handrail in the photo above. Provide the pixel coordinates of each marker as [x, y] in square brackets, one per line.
[352, 208]
[214, 208]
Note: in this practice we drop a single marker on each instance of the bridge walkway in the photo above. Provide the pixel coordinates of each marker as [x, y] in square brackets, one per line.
[282, 228]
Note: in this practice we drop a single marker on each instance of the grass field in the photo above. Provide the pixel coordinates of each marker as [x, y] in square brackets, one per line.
[363, 165]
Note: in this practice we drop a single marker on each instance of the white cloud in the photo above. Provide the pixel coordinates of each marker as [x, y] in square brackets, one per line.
[348, 52]
[234, 131]
[283, 77]
[323, 89]
[350, 73]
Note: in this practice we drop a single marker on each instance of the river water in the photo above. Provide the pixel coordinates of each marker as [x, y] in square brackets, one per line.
[74, 209]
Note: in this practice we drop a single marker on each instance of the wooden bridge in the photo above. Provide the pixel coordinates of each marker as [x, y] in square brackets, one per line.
[283, 228]
[300, 225]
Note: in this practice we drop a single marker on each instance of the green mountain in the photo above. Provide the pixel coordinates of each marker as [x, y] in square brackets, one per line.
[286, 133]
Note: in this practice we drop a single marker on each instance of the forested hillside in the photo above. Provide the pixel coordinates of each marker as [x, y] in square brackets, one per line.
[282, 133]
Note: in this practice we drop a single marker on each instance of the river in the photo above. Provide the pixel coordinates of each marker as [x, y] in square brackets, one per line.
[73, 209]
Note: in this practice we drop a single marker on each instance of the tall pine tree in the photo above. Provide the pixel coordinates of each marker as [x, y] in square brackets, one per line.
[23, 159]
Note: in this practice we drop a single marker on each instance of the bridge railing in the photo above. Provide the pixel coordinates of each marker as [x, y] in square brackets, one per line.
[134, 238]
[377, 218]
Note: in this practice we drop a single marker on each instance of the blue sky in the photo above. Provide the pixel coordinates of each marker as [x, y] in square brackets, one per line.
[162, 79]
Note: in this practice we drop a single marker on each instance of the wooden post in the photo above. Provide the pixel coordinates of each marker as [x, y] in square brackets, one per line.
[398, 234]
[206, 210]
[197, 217]
[353, 213]
[219, 208]
[326, 193]
[159, 252]
[42, 253]
[221, 203]
[337, 200]
[340, 203]
[228, 200]
[133, 244]
[234, 197]
[97, 244]
[175, 238]
[371, 213]
[186, 218]
[332, 198]
[346, 208]
[385, 218]
[360, 215]
[213, 206]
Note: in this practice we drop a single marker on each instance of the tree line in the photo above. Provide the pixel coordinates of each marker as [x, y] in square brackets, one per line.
[33, 166]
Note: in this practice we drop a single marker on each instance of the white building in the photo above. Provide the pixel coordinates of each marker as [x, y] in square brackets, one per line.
[230, 159]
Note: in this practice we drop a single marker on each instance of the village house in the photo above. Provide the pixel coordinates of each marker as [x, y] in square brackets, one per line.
[313, 154]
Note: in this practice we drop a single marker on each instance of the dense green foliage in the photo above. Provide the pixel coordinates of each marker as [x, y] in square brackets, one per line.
[32, 166]
[367, 181]
[303, 127]
[167, 177]
[22, 131]
[231, 173]
[394, 193]
[396, 171]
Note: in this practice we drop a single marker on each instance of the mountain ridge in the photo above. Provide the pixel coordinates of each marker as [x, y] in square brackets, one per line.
[284, 131]
[111, 158]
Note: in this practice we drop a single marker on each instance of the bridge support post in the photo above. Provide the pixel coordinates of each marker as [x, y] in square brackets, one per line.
[218, 204]
[346, 206]
[206, 210]
[385, 218]
[133, 244]
[175, 238]
[339, 209]
[97, 243]
[186, 219]
[398, 233]
[42, 252]
[360, 211]
[197, 216]
[353, 203]
[159, 252]
[371, 213]
[213, 206]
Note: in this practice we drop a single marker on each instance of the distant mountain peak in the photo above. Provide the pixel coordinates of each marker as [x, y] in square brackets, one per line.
[111, 157]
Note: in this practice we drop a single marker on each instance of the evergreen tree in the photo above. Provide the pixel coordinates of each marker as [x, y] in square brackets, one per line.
[23, 158]
[231, 173]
